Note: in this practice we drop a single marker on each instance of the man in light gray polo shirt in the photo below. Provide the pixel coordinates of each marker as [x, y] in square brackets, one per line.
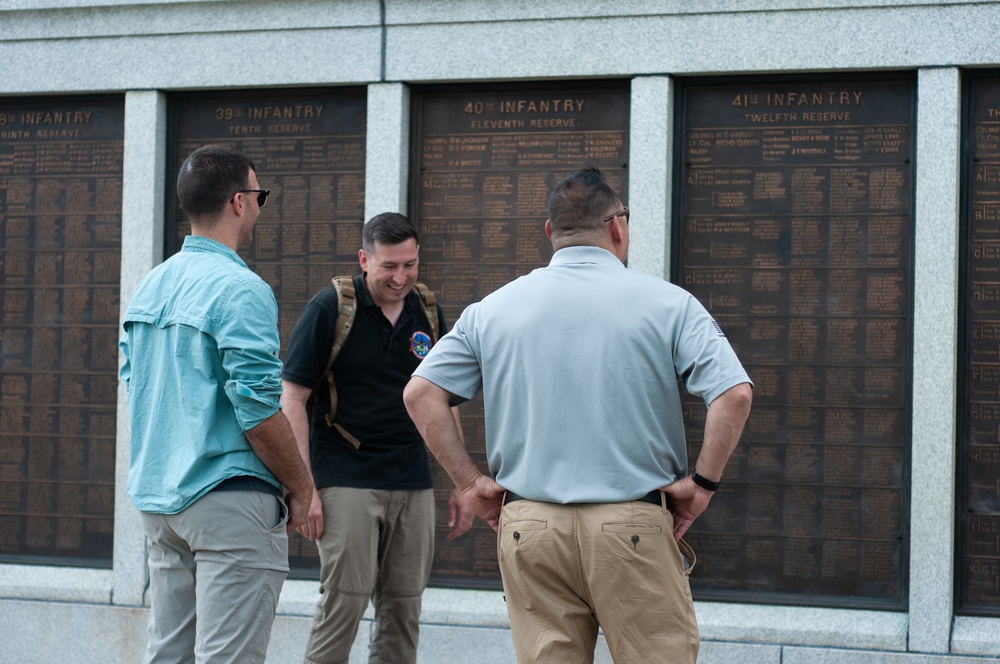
[580, 364]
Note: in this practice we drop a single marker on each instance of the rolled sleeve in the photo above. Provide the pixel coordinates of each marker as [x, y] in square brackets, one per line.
[248, 341]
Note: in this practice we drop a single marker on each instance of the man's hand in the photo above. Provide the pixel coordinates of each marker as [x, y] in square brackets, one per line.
[312, 528]
[428, 406]
[298, 508]
[460, 515]
[723, 426]
[274, 444]
[485, 498]
[686, 501]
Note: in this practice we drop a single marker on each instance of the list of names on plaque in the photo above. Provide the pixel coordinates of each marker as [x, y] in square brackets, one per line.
[60, 257]
[979, 442]
[308, 147]
[485, 162]
[795, 231]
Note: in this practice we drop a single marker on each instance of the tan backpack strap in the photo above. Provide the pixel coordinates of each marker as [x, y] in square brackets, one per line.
[333, 411]
[347, 307]
[351, 439]
[428, 306]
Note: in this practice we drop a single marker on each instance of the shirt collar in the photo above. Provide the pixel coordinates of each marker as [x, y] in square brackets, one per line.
[201, 243]
[584, 254]
[361, 291]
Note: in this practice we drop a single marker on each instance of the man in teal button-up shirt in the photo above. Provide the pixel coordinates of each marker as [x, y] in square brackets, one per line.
[210, 447]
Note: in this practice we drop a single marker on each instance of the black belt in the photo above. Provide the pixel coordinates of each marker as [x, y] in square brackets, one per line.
[653, 497]
[247, 483]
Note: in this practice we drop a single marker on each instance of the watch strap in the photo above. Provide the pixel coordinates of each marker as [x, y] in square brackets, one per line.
[704, 483]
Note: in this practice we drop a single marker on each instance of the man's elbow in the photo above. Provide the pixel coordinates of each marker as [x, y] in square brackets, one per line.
[421, 395]
[739, 398]
[294, 394]
[413, 394]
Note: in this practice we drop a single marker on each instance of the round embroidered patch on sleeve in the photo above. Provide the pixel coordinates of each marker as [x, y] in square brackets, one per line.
[420, 344]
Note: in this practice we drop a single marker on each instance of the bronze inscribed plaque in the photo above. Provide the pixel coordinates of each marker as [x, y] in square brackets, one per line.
[309, 150]
[978, 500]
[60, 257]
[484, 161]
[794, 228]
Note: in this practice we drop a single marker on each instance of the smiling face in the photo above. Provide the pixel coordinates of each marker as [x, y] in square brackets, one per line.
[390, 271]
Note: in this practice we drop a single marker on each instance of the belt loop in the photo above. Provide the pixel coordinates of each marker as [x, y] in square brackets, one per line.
[663, 501]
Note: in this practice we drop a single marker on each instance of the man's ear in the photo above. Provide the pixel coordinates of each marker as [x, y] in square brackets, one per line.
[548, 228]
[617, 233]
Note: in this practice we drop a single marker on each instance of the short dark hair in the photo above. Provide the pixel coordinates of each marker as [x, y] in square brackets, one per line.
[579, 203]
[209, 177]
[387, 228]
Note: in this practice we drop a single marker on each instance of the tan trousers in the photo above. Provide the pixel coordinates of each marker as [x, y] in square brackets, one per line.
[376, 545]
[215, 573]
[569, 569]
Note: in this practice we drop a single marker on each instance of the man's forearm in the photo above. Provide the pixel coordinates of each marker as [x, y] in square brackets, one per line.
[458, 424]
[274, 443]
[724, 424]
[428, 407]
[294, 406]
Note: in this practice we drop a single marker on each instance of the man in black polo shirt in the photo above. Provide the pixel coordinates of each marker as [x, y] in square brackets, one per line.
[373, 511]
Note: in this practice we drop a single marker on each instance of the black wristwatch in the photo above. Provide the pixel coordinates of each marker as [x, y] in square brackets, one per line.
[706, 484]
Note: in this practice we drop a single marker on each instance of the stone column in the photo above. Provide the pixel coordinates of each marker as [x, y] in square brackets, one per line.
[650, 173]
[935, 349]
[143, 199]
[387, 152]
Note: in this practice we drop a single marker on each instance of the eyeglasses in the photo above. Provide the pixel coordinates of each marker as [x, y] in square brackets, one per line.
[623, 213]
[261, 195]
